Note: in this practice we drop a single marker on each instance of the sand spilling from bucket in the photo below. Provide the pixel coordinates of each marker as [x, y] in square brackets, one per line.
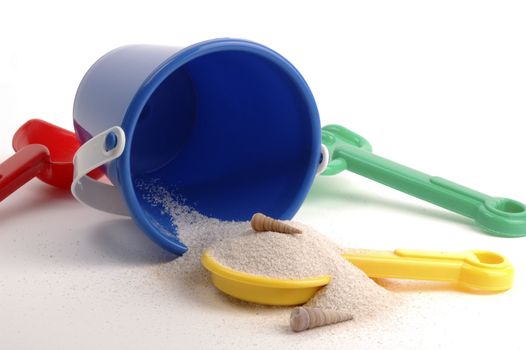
[276, 255]
[309, 254]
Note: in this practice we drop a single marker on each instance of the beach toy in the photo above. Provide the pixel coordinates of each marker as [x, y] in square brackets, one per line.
[228, 125]
[349, 151]
[43, 150]
[474, 271]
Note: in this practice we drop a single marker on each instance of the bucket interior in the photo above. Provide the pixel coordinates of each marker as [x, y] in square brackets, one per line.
[230, 132]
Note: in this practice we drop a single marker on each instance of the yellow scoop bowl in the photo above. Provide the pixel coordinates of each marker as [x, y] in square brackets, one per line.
[262, 289]
[474, 270]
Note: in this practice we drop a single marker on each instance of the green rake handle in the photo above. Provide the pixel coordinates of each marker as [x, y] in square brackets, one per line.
[349, 151]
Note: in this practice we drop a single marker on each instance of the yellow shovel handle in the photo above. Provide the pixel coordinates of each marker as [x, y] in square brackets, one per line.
[474, 269]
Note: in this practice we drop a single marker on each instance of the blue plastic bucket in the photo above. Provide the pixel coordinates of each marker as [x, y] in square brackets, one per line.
[229, 125]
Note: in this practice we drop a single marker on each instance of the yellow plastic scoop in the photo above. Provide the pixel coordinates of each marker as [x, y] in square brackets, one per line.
[475, 270]
[261, 289]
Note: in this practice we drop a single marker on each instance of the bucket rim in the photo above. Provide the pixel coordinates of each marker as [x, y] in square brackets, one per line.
[151, 83]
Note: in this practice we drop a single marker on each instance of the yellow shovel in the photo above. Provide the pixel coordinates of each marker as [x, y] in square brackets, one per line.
[474, 270]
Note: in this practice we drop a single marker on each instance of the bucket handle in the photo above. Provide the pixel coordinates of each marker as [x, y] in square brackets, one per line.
[99, 150]
[102, 149]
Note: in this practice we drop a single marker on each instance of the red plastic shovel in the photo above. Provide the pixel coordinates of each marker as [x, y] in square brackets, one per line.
[43, 150]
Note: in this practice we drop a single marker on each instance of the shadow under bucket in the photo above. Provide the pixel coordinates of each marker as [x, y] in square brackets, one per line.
[228, 125]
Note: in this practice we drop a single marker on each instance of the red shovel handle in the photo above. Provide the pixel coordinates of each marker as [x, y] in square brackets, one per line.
[24, 165]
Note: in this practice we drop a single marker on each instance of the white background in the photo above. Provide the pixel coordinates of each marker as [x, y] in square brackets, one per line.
[439, 86]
